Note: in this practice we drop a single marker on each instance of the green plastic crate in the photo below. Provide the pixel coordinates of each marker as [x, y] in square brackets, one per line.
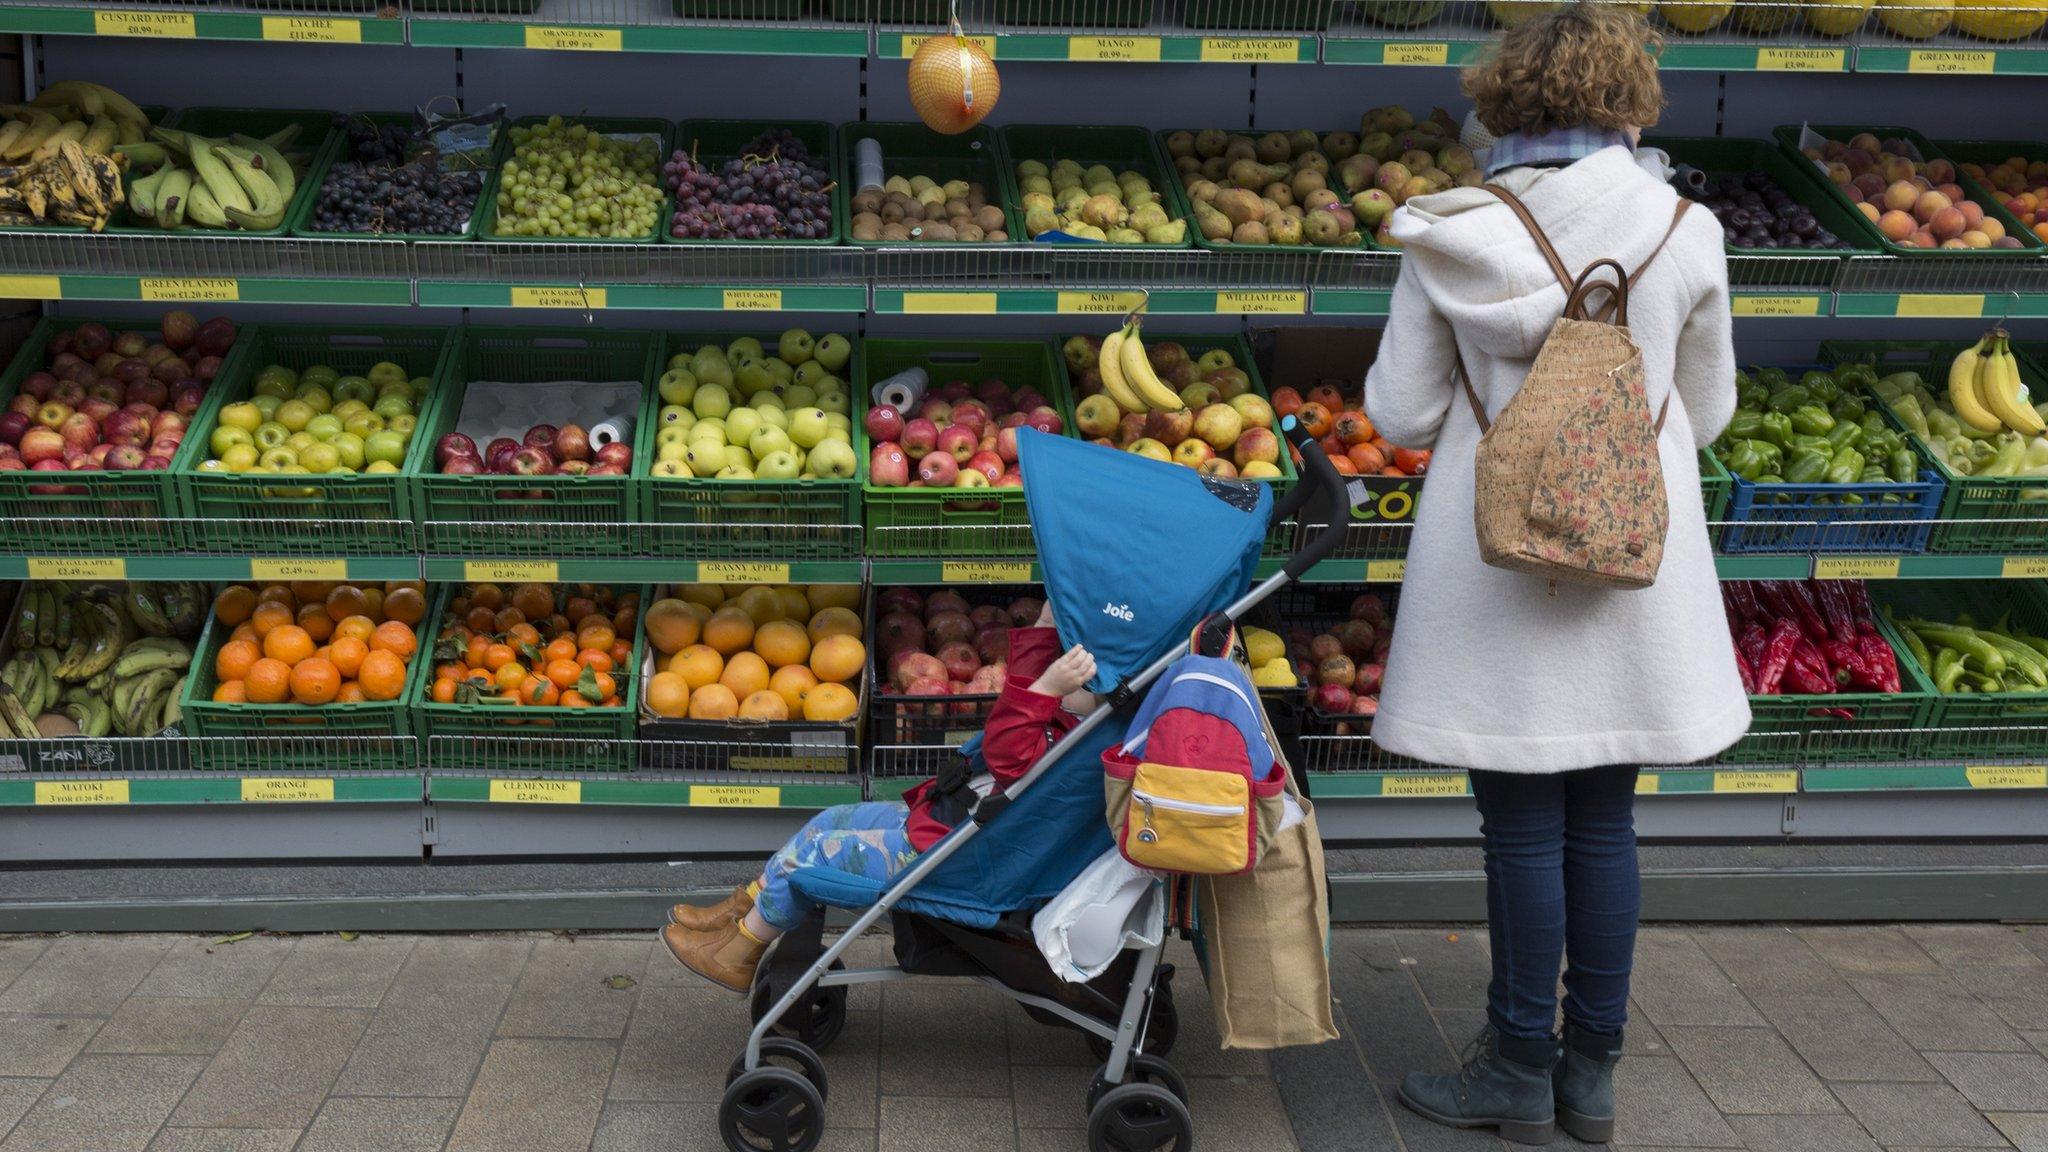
[1118, 147]
[1976, 724]
[487, 204]
[911, 149]
[919, 12]
[299, 223]
[1716, 155]
[541, 517]
[1979, 514]
[749, 519]
[362, 512]
[1715, 488]
[1787, 136]
[1989, 153]
[949, 522]
[315, 129]
[713, 142]
[99, 508]
[480, 7]
[739, 9]
[121, 223]
[1788, 729]
[1266, 16]
[313, 739]
[562, 739]
[1074, 13]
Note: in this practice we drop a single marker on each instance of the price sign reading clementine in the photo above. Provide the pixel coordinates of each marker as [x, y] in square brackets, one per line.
[912, 43]
[985, 572]
[31, 288]
[1245, 303]
[735, 796]
[1770, 782]
[1385, 571]
[2013, 776]
[536, 791]
[1800, 59]
[81, 791]
[949, 303]
[753, 300]
[576, 39]
[1775, 306]
[1856, 568]
[174, 24]
[2023, 567]
[291, 568]
[1412, 54]
[1939, 304]
[739, 572]
[1105, 302]
[1124, 49]
[1951, 62]
[583, 299]
[1648, 784]
[286, 790]
[209, 289]
[1423, 784]
[78, 568]
[512, 571]
[312, 30]
[1221, 50]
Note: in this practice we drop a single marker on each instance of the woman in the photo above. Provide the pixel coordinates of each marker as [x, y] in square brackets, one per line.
[1552, 695]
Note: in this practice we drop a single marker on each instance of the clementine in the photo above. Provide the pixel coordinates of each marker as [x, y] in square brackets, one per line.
[345, 601]
[314, 619]
[534, 601]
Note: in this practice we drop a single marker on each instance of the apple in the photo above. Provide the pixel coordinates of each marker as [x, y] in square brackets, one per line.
[676, 386]
[82, 432]
[1255, 411]
[957, 441]
[1150, 449]
[1220, 426]
[1169, 427]
[807, 427]
[1006, 445]
[768, 440]
[832, 351]
[97, 409]
[919, 437]
[452, 445]
[12, 426]
[1045, 419]
[669, 469]
[884, 422]
[386, 446]
[1193, 452]
[26, 405]
[39, 444]
[834, 460]
[214, 337]
[532, 460]
[91, 340]
[938, 469]
[582, 468]
[988, 464]
[539, 436]
[462, 466]
[1254, 445]
[572, 443]
[125, 427]
[1097, 415]
[53, 414]
[779, 464]
[971, 414]
[618, 454]
[1081, 352]
[1230, 383]
[795, 347]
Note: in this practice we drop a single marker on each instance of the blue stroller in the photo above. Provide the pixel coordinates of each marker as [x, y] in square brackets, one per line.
[1137, 555]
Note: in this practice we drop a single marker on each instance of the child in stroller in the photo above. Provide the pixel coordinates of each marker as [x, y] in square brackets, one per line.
[1042, 699]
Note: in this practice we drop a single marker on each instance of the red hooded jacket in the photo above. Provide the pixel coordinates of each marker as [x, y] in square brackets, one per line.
[1021, 726]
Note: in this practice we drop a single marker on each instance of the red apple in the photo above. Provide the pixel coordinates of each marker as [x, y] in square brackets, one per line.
[91, 341]
[171, 368]
[889, 466]
[452, 445]
[81, 431]
[1045, 420]
[462, 466]
[936, 410]
[532, 461]
[205, 369]
[957, 441]
[164, 446]
[883, 422]
[68, 393]
[12, 425]
[131, 371]
[25, 404]
[186, 396]
[937, 469]
[988, 464]
[214, 338]
[131, 344]
[617, 454]
[540, 436]
[41, 443]
[167, 424]
[573, 443]
[606, 468]
[124, 458]
[972, 415]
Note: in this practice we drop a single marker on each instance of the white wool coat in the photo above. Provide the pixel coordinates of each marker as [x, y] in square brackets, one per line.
[1500, 670]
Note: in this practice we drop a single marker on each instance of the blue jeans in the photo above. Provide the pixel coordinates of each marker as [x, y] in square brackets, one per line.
[866, 840]
[1561, 880]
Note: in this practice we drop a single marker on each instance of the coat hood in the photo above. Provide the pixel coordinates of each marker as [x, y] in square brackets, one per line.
[1485, 274]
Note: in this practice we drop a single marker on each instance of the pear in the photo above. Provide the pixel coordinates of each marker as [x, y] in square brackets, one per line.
[1211, 142]
[1098, 174]
[1031, 168]
[1285, 230]
[1357, 171]
[1240, 148]
[1273, 148]
[919, 185]
[1173, 233]
[1037, 200]
[1214, 225]
[1239, 205]
[1106, 188]
[1030, 184]
[1322, 228]
[1214, 168]
[899, 184]
[1180, 145]
[1104, 211]
[1038, 220]
[1148, 217]
[1339, 146]
[1300, 141]
[1305, 182]
[1278, 193]
[1250, 233]
[1125, 236]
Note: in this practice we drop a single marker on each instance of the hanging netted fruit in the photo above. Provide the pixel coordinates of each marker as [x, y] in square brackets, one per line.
[953, 83]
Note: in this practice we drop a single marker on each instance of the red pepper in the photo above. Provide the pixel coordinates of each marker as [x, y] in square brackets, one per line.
[1770, 669]
[1806, 674]
[1749, 655]
[1835, 606]
[1859, 603]
[1879, 661]
[1811, 621]
[1786, 600]
[1742, 593]
[1846, 660]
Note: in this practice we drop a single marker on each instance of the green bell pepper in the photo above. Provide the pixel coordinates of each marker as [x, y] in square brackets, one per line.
[1846, 467]
[1821, 444]
[1848, 408]
[1873, 474]
[1751, 395]
[1744, 460]
[1806, 466]
[1871, 422]
[1846, 435]
[1789, 397]
[1821, 387]
[1811, 420]
[1745, 426]
[1770, 478]
[1901, 466]
[1777, 429]
[1772, 378]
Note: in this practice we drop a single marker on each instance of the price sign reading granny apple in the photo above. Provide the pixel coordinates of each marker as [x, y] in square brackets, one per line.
[758, 409]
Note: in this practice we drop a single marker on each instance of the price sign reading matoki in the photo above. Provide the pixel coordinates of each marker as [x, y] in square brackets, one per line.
[213, 290]
[287, 790]
[180, 25]
[312, 30]
[1123, 49]
[536, 791]
[2013, 776]
[60, 792]
[512, 571]
[77, 568]
[1414, 54]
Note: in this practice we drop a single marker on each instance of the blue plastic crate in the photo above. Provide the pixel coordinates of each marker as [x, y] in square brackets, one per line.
[1816, 517]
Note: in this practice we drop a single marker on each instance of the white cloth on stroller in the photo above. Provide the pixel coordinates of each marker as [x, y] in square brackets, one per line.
[1112, 905]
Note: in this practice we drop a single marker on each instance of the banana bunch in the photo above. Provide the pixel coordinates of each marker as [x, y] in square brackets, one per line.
[93, 116]
[243, 182]
[1984, 386]
[99, 659]
[59, 162]
[1127, 374]
[72, 187]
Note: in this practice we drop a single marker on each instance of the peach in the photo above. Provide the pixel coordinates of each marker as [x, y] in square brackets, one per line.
[1947, 224]
[1973, 213]
[1975, 239]
[1928, 204]
[1990, 226]
[1864, 142]
[1899, 197]
[1896, 226]
[1954, 192]
[1940, 171]
[1953, 243]
[1869, 211]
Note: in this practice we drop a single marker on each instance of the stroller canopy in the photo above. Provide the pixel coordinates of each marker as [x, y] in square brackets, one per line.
[1134, 551]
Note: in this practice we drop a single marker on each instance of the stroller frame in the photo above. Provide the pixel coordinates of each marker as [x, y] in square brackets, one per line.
[1125, 1040]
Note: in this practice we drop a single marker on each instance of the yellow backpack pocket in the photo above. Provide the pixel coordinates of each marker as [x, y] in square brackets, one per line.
[1188, 820]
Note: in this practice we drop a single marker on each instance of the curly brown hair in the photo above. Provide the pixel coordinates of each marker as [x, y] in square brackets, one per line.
[1584, 62]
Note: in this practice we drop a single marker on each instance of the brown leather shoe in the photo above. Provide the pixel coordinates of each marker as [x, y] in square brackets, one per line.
[707, 917]
[725, 956]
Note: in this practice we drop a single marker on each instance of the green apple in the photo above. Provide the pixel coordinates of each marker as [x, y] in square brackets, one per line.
[741, 424]
[783, 373]
[300, 441]
[320, 457]
[228, 436]
[271, 434]
[278, 457]
[268, 405]
[386, 446]
[279, 384]
[240, 457]
[421, 385]
[676, 386]
[777, 466]
[324, 427]
[796, 346]
[745, 346]
[754, 377]
[320, 374]
[713, 426]
[736, 456]
[672, 469]
[386, 370]
[677, 416]
[214, 466]
[350, 446]
[355, 388]
[673, 435]
[810, 372]
[363, 423]
[403, 423]
[712, 370]
[679, 360]
[771, 398]
[838, 422]
[244, 416]
[295, 414]
[798, 396]
[807, 427]
[774, 418]
[389, 406]
[734, 472]
[767, 442]
[348, 408]
[674, 450]
[704, 459]
[399, 387]
[379, 467]
[315, 397]
[835, 403]
[833, 351]
[712, 401]
[834, 460]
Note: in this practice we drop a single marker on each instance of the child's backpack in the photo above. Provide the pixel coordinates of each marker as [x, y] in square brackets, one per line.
[1196, 787]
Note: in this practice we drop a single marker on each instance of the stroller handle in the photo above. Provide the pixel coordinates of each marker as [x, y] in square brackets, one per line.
[1321, 481]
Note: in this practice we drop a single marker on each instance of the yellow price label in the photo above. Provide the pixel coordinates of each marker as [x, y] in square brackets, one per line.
[2023, 567]
[536, 791]
[312, 30]
[77, 568]
[788, 763]
[1231, 50]
[81, 791]
[1245, 303]
[174, 24]
[1124, 49]
[1108, 302]
[1939, 304]
[210, 289]
[1801, 59]
[291, 568]
[741, 572]
[753, 300]
[286, 790]
[912, 43]
[578, 297]
[985, 572]
[949, 303]
[1924, 60]
[575, 39]
[1410, 54]
[1423, 784]
[1775, 305]
[31, 288]
[512, 571]
[735, 796]
[1767, 782]
[2013, 776]
[1648, 784]
[1856, 568]
[1385, 571]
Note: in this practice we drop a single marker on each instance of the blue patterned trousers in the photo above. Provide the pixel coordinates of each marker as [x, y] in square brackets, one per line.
[867, 840]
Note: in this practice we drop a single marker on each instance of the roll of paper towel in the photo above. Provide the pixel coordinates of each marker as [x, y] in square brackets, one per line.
[867, 164]
[903, 390]
[618, 430]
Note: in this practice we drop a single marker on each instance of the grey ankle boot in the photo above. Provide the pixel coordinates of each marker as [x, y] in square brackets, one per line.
[1505, 1084]
[1585, 1083]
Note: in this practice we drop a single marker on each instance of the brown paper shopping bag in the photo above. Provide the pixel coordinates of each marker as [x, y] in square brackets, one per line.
[1265, 936]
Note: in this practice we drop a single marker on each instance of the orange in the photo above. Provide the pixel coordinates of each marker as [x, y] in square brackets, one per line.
[314, 619]
[444, 691]
[289, 643]
[347, 654]
[345, 601]
[405, 605]
[564, 673]
[269, 681]
[671, 626]
[360, 627]
[235, 658]
[534, 601]
[592, 658]
[373, 603]
[764, 705]
[822, 596]
[781, 644]
[560, 648]
[245, 631]
[395, 638]
[452, 670]
[382, 676]
[761, 604]
[279, 593]
[234, 604]
[269, 614]
[487, 596]
[830, 702]
[511, 676]
[728, 631]
[834, 622]
[540, 692]
[315, 682]
[231, 692]
[596, 633]
[621, 653]
[699, 664]
[713, 702]
[794, 606]
[481, 620]
[351, 693]
[791, 683]
[668, 694]
[311, 591]
[838, 658]
[746, 673]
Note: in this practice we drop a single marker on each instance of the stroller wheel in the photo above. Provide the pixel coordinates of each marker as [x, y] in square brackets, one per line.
[1163, 1022]
[1140, 1118]
[1145, 1069]
[771, 1110]
[817, 1019]
[782, 1052]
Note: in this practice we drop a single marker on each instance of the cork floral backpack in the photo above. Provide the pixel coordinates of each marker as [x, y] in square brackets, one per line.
[1568, 483]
